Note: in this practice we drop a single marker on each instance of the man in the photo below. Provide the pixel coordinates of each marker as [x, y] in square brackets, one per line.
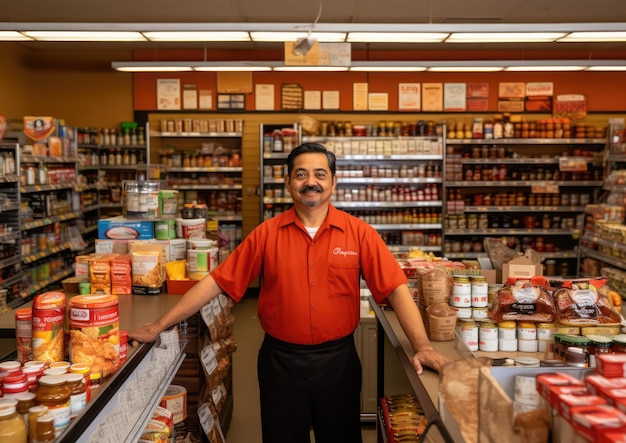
[311, 259]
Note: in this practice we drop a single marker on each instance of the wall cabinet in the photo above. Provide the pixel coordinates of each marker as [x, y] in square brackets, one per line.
[529, 192]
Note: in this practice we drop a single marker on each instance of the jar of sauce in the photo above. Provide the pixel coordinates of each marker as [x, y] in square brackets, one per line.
[33, 414]
[54, 393]
[12, 426]
[78, 393]
[44, 430]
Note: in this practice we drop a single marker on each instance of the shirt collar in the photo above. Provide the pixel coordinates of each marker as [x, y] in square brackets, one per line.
[333, 219]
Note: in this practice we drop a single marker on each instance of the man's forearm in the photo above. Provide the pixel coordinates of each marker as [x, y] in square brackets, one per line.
[409, 317]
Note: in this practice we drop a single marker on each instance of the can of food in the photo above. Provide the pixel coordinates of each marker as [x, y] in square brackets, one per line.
[461, 292]
[95, 332]
[48, 327]
[469, 333]
[24, 334]
[479, 289]
[198, 260]
[168, 204]
[165, 229]
[506, 330]
[175, 400]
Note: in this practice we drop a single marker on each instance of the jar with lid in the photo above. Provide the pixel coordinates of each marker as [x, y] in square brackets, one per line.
[44, 429]
[78, 392]
[54, 393]
[25, 401]
[12, 426]
[33, 414]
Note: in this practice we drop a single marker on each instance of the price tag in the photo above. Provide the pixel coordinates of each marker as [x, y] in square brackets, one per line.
[544, 188]
[572, 164]
[209, 360]
[212, 225]
[206, 418]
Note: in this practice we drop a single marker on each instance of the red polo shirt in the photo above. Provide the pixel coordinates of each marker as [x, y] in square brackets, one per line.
[310, 287]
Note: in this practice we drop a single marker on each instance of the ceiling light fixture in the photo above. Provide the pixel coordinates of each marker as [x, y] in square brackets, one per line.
[304, 44]
[86, 36]
[197, 36]
[378, 66]
[503, 37]
[594, 37]
[396, 37]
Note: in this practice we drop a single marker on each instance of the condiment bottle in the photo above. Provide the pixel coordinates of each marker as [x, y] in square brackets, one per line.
[84, 370]
[55, 394]
[33, 414]
[12, 426]
[44, 430]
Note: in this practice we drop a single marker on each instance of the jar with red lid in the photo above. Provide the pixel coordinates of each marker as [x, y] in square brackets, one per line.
[13, 384]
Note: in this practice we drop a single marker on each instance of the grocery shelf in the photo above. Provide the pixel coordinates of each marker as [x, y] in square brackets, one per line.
[523, 208]
[26, 226]
[405, 226]
[46, 159]
[38, 286]
[523, 183]
[509, 231]
[387, 180]
[525, 141]
[613, 261]
[195, 134]
[30, 189]
[380, 204]
[43, 253]
[216, 187]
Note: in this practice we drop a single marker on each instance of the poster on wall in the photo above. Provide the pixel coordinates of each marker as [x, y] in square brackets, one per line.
[477, 97]
[409, 97]
[313, 100]
[432, 97]
[205, 99]
[168, 94]
[264, 97]
[454, 97]
[359, 96]
[190, 96]
[378, 101]
[330, 100]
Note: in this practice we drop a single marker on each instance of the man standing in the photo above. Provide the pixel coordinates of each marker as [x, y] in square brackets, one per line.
[311, 259]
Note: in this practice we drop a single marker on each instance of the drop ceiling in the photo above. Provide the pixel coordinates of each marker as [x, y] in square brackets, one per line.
[386, 12]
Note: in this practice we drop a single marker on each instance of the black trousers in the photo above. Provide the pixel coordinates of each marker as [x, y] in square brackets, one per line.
[303, 386]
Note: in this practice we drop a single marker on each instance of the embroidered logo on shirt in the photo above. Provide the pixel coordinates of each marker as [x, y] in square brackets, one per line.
[339, 251]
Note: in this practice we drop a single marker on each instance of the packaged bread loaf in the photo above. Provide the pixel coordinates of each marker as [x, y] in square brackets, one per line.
[524, 300]
[581, 303]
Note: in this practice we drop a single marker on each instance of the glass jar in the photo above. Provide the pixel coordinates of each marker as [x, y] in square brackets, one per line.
[84, 370]
[33, 414]
[12, 426]
[78, 393]
[45, 430]
[54, 393]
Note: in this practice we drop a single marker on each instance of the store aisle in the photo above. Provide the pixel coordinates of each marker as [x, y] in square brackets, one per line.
[245, 426]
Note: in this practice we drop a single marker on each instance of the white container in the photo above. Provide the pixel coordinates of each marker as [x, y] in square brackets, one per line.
[480, 313]
[526, 391]
[507, 345]
[464, 313]
[527, 345]
[488, 345]
[197, 260]
[488, 332]
[527, 331]
[191, 228]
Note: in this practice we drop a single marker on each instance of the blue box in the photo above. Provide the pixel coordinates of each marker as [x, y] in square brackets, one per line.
[120, 228]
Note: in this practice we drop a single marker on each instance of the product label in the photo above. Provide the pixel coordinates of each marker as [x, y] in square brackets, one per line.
[77, 403]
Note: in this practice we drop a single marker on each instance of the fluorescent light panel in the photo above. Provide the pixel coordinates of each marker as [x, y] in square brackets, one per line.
[606, 68]
[396, 37]
[311, 68]
[461, 68]
[197, 36]
[503, 37]
[13, 36]
[388, 68]
[594, 37]
[293, 36]
[545, 68]
[86, 36]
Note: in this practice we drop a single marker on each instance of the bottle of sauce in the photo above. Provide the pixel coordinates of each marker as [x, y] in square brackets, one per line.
[12, 426]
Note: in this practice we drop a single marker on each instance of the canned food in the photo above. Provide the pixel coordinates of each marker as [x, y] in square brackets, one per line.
[461, 292]
[24, 334]
[94, 332]
[49, 327]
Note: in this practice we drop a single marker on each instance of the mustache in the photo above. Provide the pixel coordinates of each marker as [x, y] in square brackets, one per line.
[311, 188]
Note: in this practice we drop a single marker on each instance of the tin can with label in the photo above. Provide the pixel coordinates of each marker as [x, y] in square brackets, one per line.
[479, 289]
[95, 332]
[469, 334]
[461, 292]
[24, 334]
[49, 327]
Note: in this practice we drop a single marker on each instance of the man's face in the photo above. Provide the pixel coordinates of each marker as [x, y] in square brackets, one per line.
[311, 182]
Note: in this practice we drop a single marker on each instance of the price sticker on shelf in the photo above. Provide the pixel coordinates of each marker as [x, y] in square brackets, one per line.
[544, 188]
[572, 164]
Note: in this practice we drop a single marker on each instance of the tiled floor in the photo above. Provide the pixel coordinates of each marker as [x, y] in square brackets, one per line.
[245, 426]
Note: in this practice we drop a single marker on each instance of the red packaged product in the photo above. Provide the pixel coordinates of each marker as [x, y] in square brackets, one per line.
[551, 385]
[611, 436]
[611, 365]
[597, 383]
[567, 402]
[579, 303]
[591, 421]
[613, 395]
[620, 404]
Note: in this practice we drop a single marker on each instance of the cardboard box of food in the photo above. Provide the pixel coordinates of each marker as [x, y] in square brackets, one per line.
[521, 267]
